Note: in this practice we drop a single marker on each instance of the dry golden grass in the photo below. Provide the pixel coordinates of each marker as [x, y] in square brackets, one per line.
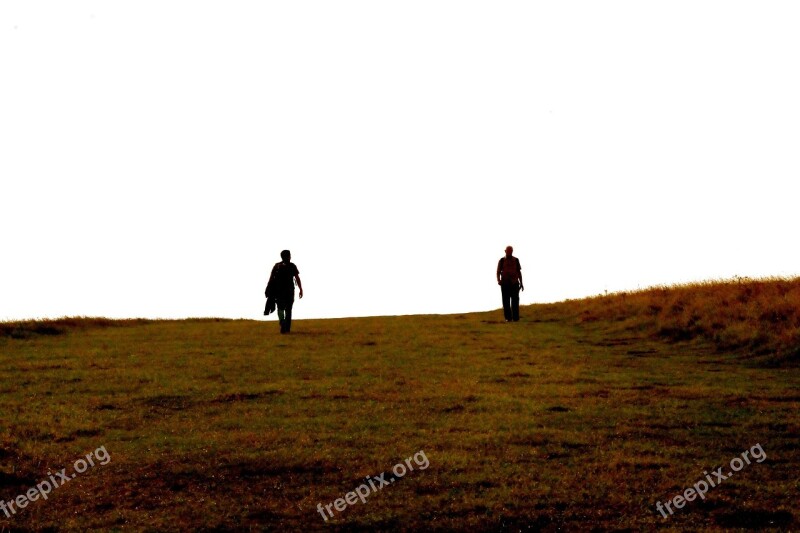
[579, 417]
[753, 318]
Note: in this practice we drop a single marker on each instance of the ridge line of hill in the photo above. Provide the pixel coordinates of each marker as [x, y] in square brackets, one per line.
[757, 319]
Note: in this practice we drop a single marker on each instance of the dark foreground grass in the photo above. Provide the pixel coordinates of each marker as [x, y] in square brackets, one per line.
[557, 422]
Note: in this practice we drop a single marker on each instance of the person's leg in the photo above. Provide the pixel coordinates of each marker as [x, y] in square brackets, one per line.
[504, 289]
[280, 303]
[515, 303]
[282, 317]
[288, 319]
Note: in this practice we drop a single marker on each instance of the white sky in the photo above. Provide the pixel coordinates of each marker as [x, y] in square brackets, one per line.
[156, 156]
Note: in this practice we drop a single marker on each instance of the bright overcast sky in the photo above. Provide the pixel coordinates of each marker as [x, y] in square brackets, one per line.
[156, 156]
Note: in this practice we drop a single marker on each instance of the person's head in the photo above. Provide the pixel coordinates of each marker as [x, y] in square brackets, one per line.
[509, 250]
[286, 255]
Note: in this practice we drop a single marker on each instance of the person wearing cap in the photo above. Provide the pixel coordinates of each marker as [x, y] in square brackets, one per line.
[281, 288]
[509, 277]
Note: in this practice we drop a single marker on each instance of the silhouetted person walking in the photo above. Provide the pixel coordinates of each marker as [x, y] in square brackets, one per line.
[281, 289]
[509, 277]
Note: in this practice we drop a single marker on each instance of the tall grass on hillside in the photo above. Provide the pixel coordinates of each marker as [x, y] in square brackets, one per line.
[755, 318]
[25, 329]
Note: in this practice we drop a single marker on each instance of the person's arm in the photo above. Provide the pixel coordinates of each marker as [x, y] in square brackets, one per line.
[519, 269]
[300, 285]
[499, 268]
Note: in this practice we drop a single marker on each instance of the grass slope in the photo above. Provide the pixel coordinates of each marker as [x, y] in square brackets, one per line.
[580, 417]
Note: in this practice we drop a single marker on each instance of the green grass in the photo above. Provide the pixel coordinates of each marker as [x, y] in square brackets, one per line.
[581, 416]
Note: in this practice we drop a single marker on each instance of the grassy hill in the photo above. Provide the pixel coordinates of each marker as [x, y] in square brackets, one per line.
[582, 416]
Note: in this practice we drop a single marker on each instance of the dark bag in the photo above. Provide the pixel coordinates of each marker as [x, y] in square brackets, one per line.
[269, 293]
[270, 307]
